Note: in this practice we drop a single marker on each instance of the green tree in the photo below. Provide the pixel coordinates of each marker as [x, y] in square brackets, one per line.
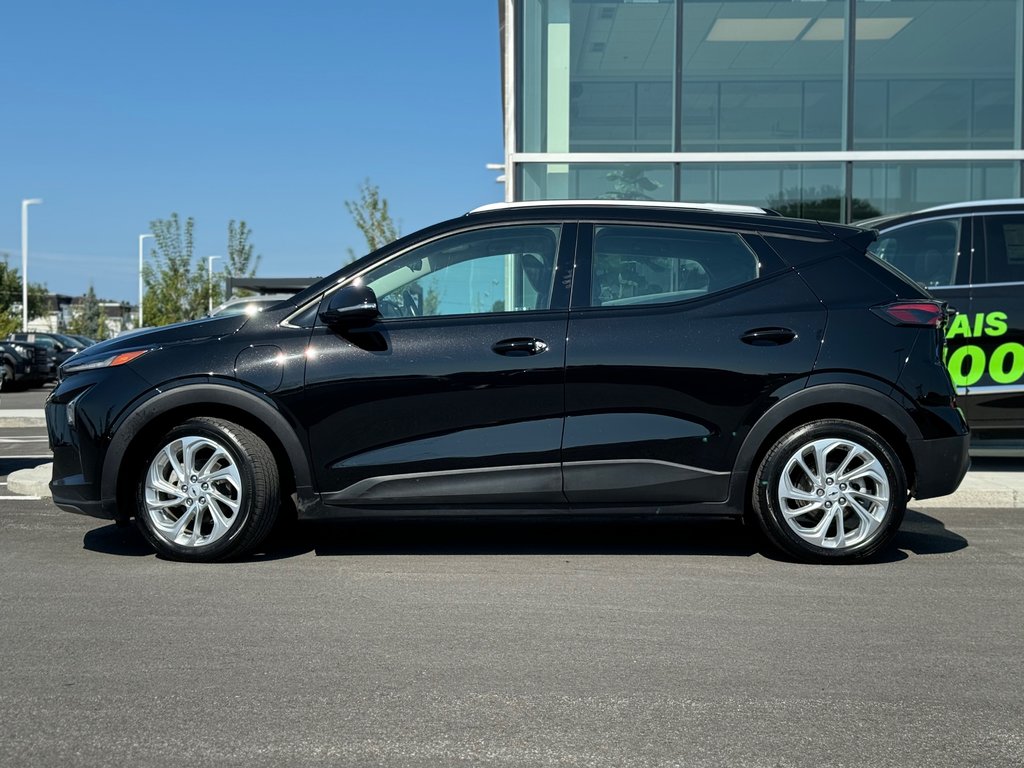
[629, 183]
[176, 289]
[824, 204]
[91, 319]
[241, 259]
[370, 213]
[10, 298]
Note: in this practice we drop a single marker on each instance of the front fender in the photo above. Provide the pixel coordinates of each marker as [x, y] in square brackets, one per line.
[131, 423]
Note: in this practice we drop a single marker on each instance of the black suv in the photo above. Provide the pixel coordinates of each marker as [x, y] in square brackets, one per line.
[971, 255]
[24, 365]
[59, 347]
[536, 358]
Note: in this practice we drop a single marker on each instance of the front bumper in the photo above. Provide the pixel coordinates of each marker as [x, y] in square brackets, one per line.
[82, 506]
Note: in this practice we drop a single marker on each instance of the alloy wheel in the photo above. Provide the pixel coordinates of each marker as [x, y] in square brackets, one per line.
[834, 493]
[193, 491]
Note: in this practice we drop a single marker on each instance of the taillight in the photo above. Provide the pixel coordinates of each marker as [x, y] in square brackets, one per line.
[923, 314]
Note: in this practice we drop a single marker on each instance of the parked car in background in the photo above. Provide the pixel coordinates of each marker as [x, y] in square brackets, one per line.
[589, 357]
[59, 347]
[85, 341]
[24, 364]
[971, 255]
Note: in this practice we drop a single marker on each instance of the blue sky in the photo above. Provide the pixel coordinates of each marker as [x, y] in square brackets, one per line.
[117, 113]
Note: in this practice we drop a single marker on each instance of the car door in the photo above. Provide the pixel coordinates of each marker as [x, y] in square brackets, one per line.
[678, 336]
[990, 361]
[455, 394]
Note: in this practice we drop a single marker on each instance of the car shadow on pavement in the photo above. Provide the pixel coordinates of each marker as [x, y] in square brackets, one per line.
[124, 540]
[924, 535]
[333, 538]
[532, 536]
[920, 535]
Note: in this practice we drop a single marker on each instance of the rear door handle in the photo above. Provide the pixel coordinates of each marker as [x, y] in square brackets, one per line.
[768, 337]
[519, 347]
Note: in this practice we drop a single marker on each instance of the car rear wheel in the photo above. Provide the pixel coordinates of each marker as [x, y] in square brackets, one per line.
[208, 491]
[830, 491]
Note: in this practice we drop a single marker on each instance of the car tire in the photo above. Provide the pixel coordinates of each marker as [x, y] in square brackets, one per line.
[831, 491]
[207, 491]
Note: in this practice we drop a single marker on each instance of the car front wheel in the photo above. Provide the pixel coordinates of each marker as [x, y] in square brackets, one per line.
[209, 491]
[830, 491]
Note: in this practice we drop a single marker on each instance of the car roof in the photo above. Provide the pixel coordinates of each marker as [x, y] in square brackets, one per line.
[973, 206]
[710, 207]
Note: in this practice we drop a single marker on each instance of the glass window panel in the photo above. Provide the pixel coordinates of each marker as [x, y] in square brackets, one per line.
[1004, 248]
[596, 76]
[761, 76]
[659, 265]
[506, 269]
[924, 251]
[935, 74]
[807, 190]
[583, 181]
[899, 187]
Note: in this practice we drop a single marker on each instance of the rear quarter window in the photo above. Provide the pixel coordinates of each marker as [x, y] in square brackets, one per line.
[659, 265]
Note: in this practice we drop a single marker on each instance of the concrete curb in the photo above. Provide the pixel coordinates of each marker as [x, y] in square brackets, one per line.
[22, 417]
[31, 482]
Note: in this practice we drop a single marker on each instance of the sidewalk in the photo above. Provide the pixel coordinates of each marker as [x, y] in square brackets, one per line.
[990, 483]
[22, 417]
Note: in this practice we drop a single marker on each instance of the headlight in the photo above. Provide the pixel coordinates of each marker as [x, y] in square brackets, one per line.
[107, 361]
[23, 351]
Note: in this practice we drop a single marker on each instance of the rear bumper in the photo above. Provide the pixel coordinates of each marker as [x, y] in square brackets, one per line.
[941, 465]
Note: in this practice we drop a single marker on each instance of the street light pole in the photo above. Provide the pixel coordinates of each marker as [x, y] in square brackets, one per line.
[141, 238]
[24, 260]
[209, 287]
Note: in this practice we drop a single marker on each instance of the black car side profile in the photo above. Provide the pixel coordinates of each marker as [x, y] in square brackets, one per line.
[536, 358]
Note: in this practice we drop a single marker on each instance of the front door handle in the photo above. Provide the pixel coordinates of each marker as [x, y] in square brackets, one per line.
[768, 337]
[519, 347]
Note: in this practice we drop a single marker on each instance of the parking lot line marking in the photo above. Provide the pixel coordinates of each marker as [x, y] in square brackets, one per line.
[23, 498]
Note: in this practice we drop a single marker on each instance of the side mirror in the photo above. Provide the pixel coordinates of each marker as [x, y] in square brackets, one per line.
[351, 305]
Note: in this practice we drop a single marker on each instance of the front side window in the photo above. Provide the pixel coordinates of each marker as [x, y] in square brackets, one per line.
[503, 269]
[926, 252]
[658, 265]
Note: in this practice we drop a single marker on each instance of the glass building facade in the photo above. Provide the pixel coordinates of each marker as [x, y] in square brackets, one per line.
[833, 109]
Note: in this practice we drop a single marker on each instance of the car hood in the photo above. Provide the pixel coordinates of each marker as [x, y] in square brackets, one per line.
[190, 330]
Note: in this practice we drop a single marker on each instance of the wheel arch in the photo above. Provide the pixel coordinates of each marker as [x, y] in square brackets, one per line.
[852, 402]
[153, 417]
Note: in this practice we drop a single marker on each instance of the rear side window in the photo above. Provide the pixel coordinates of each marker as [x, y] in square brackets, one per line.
[658, 265]
[927, 252]
[1004, 249]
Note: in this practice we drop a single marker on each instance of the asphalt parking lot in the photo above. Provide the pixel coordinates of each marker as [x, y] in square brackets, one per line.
[527, 643]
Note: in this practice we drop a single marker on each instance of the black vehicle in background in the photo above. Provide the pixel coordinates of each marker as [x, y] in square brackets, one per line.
[84, 341]
[567, 358]
[971, 255]
[24, 365]
[59, 347]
